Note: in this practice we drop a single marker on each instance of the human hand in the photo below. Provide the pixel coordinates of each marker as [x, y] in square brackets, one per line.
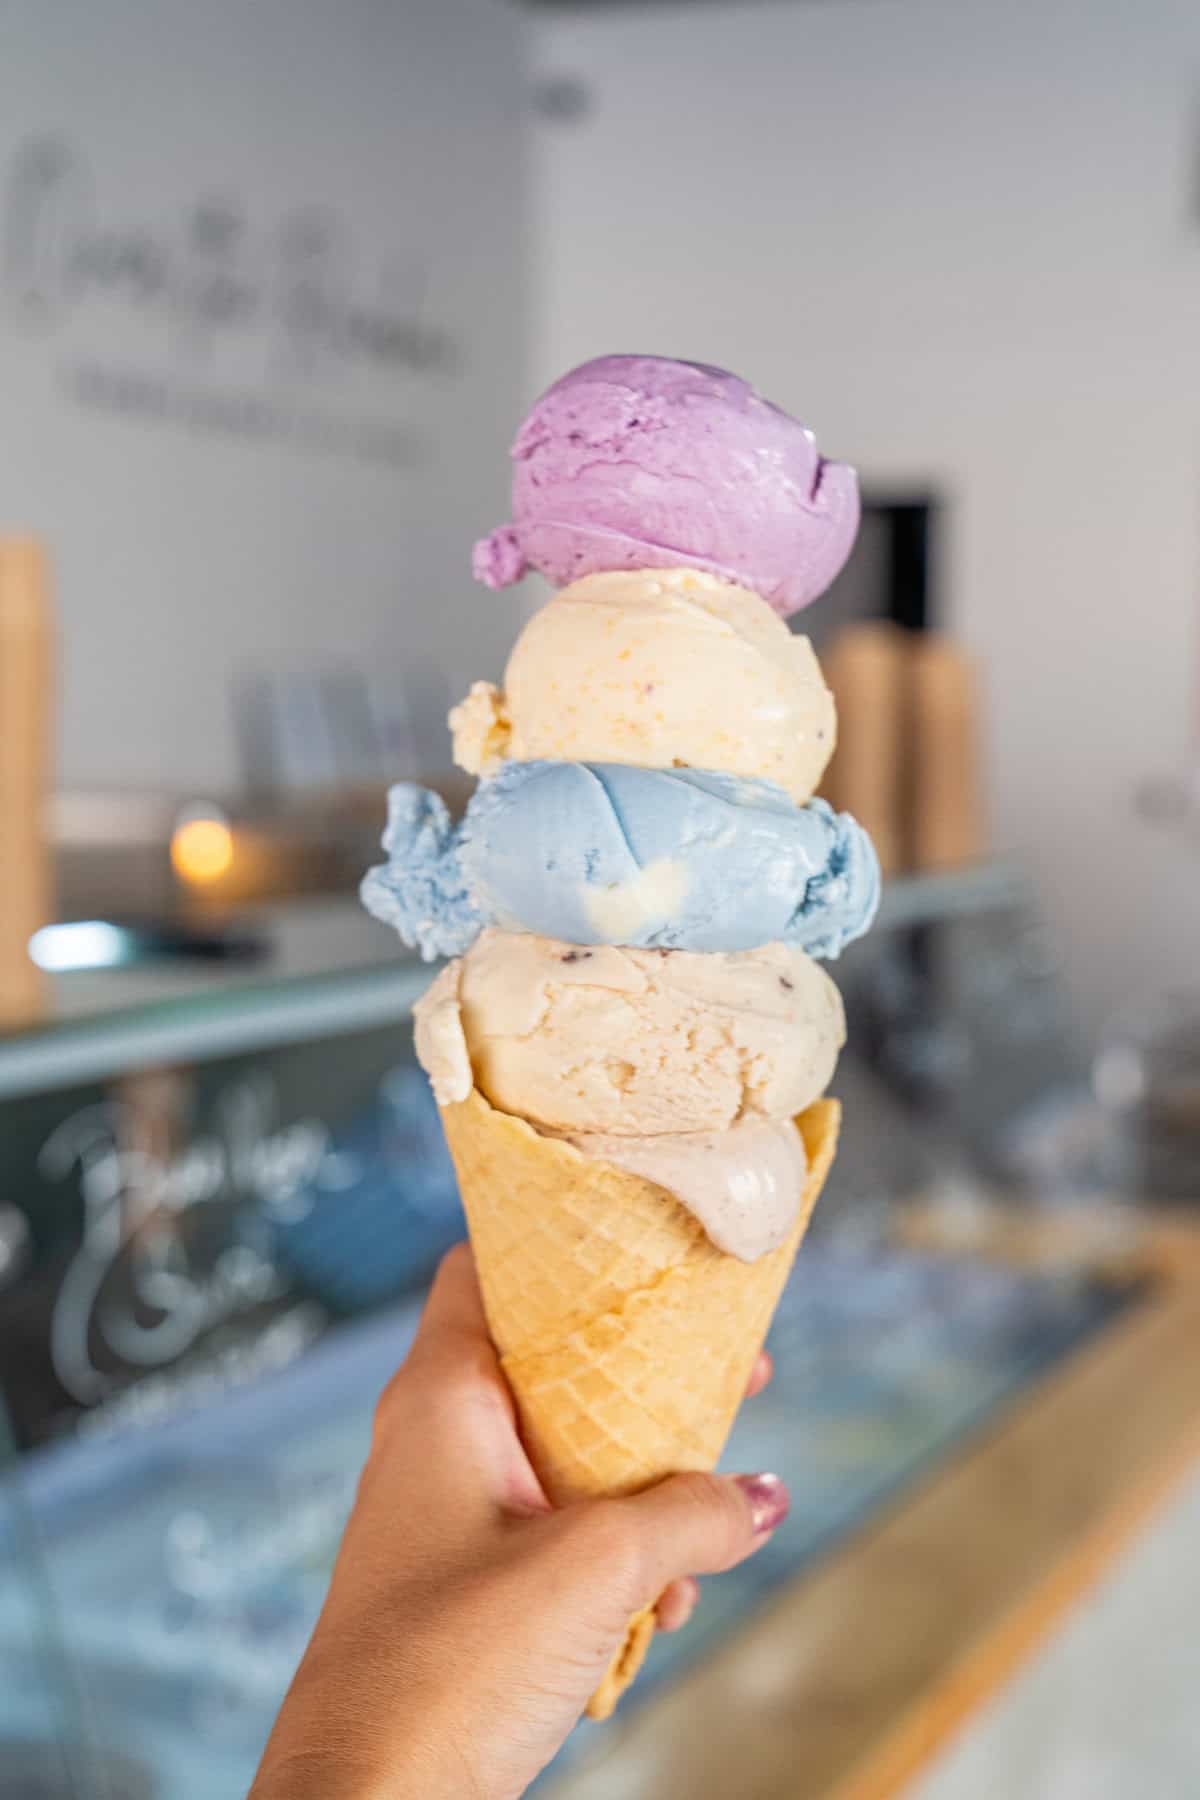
[468, 1621]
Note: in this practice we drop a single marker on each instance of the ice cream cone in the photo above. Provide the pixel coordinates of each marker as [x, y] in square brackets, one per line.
[626, 1336]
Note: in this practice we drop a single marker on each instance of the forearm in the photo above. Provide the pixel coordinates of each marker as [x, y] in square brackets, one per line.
[369, 1757]
[363, 1721]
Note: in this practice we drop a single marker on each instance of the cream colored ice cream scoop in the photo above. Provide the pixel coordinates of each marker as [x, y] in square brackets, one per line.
[631, 1042]
[665, 668]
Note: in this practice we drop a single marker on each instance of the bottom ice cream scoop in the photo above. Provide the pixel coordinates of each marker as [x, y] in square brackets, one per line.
[631, 1042]
[743, 1185]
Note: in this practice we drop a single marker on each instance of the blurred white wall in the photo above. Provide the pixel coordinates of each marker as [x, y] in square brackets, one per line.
[262, 323]
[962, 241]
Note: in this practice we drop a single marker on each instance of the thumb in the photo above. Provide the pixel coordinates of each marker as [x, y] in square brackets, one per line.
[698, 1524]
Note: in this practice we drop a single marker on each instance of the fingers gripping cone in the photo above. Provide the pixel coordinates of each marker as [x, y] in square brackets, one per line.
[626, 1336]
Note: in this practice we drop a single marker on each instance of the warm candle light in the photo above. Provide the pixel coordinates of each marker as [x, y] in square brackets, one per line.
[201, 850]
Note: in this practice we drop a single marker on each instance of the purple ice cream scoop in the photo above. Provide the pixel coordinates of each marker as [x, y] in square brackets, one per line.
[641, 462]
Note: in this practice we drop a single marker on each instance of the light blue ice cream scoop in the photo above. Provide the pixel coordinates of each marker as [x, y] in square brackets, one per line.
[610, 853]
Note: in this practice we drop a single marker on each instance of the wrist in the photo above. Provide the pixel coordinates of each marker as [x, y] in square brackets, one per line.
[297, 1772]
[338, 1744]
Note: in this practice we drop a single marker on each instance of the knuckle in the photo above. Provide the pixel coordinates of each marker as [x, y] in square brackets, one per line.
[456, 1259]
[446, 1391]
[462, 1368]
[391, 1402]
[714, 1506]
[701, 1492]
[451, 1359]
[612, 1545]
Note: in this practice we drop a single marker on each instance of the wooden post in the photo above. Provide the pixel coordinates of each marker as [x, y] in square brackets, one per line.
[25, 753]
[865, 667]
[945, 799]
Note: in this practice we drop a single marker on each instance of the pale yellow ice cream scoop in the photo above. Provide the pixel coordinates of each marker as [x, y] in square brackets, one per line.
[665, 668]
[630, 1042]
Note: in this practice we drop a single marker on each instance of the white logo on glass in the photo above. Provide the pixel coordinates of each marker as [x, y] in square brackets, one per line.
[132, 1198]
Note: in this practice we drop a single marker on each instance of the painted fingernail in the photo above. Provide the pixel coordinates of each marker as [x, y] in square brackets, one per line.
[769, 1500]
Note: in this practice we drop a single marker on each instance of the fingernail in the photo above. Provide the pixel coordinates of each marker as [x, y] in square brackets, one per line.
[769, 1500]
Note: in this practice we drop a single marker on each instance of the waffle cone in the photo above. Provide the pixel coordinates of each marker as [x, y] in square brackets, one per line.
[626, 1337]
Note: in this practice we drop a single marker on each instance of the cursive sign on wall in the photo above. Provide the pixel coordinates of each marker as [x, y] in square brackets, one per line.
[240, 320]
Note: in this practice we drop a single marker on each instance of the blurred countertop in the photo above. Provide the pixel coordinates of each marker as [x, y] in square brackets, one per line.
[323, 960]
[1108, 1709]
[324, 965]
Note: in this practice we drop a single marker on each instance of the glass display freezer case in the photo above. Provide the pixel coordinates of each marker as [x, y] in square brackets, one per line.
[220, 1201]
